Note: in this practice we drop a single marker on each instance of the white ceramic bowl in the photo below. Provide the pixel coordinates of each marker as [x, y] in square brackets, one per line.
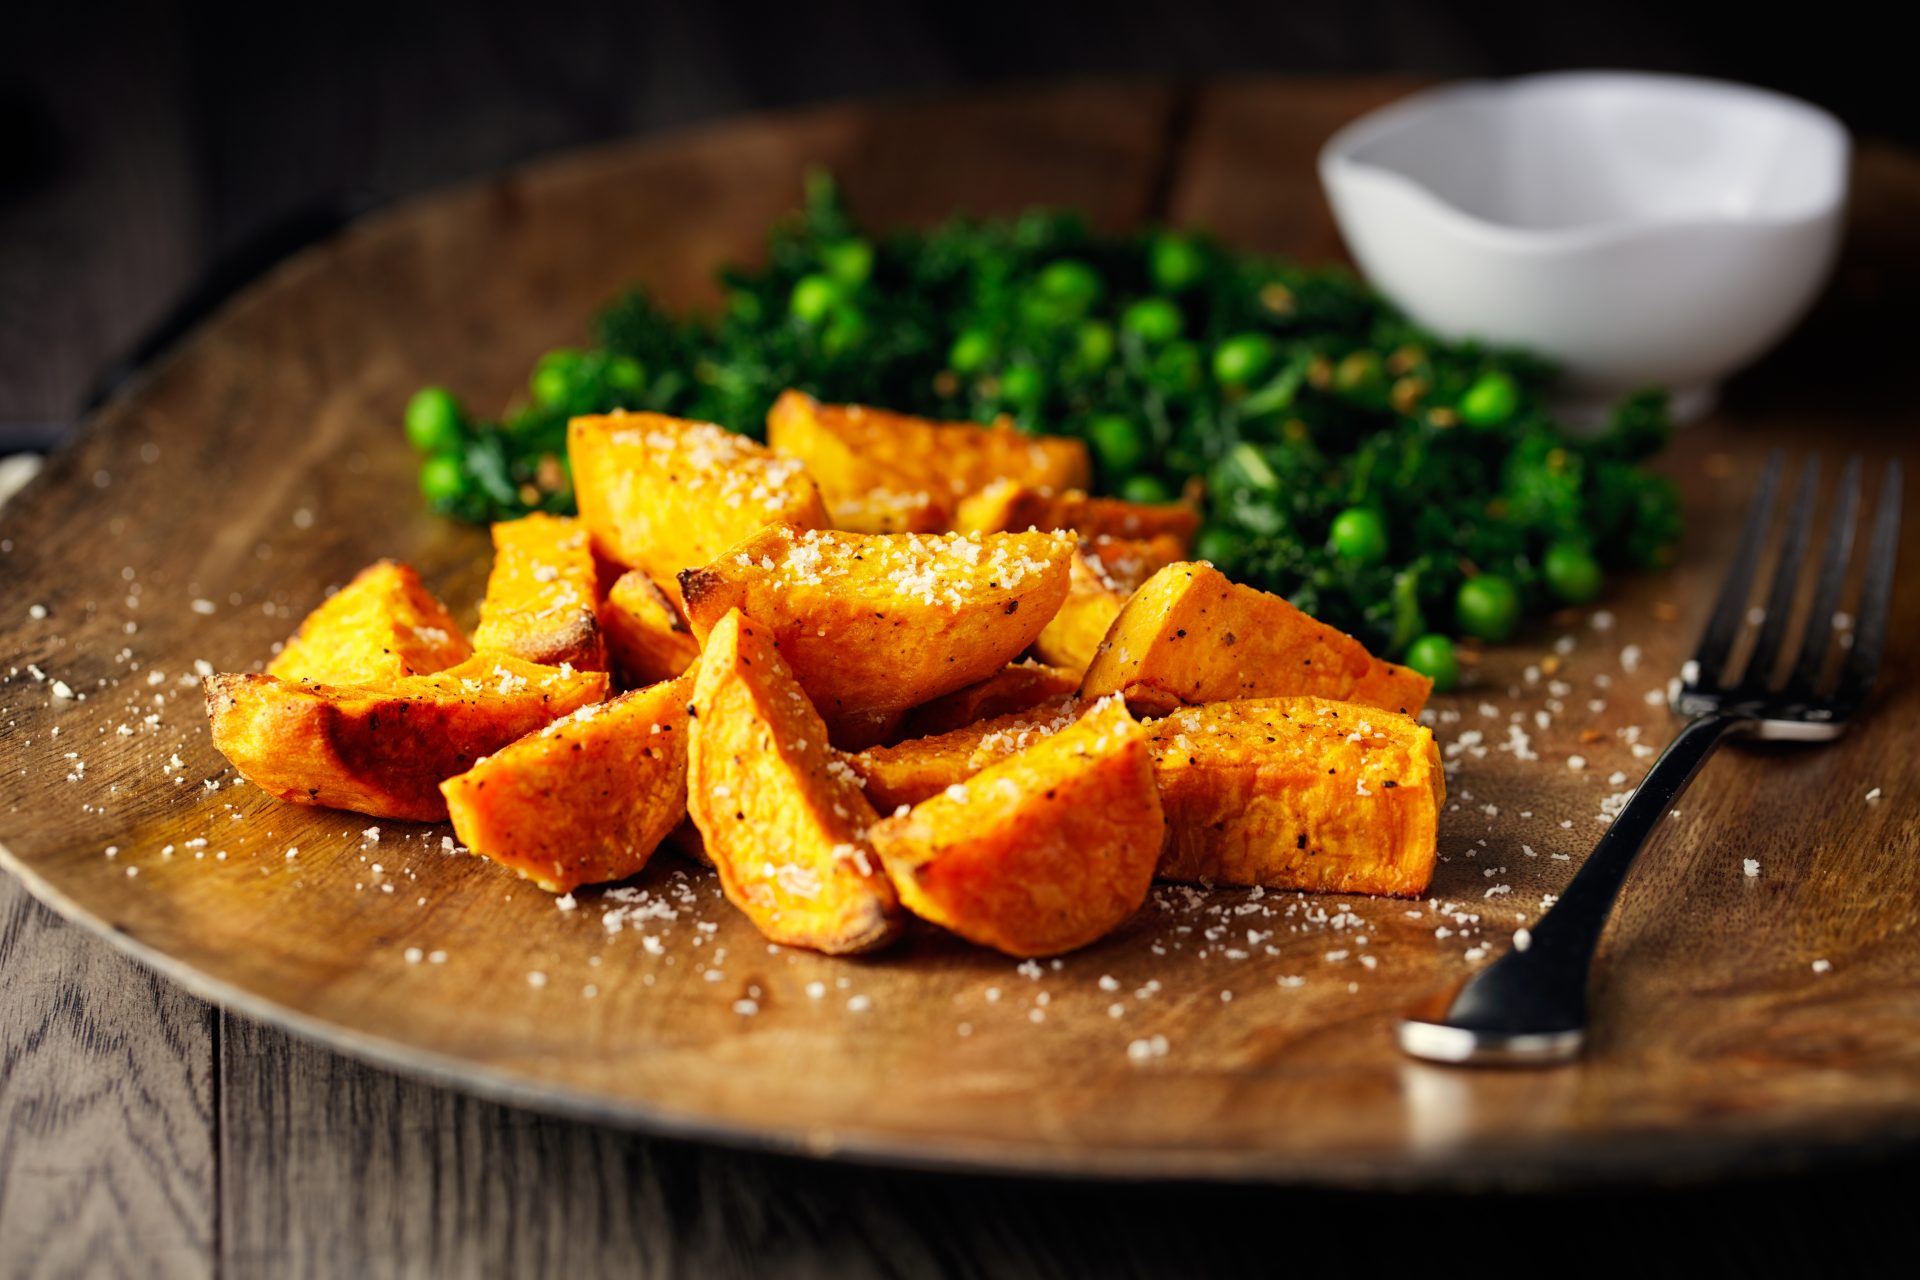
[1636, 229]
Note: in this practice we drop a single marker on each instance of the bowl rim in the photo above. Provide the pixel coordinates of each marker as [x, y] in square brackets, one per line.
[1340, 166]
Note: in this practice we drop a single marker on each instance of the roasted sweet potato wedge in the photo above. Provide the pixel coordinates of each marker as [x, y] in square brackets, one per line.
[647, 638]
[382, 626]
[1189, 636]
[890, 511]
[1299, 793]
[539, 605]
[1009, 504]
[384, 751]
[782, 817]
[1016, 687]
[664, 494]
[1105, 571]
[586, 799]
[857, 452]
[920, 768]
[874, 624]
[1042, 853]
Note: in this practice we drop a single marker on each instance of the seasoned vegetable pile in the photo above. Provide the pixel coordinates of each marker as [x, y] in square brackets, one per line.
[1387, 482]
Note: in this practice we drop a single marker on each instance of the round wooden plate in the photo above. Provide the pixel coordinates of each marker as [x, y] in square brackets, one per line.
[1226, 1034]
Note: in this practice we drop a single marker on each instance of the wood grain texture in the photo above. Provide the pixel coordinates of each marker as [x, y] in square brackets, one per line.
[106, 1108]
[1717, 1045]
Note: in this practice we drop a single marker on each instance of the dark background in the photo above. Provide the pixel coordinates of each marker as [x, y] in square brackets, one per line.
[141, 142]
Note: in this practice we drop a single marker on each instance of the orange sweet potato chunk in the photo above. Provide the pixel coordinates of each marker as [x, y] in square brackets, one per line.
[1105, 571]
[1042, 853]
[1190, 636]
[664, 494]
[872, 462]
[646, 636]
[586, 799]
[1299, 793]
[539, 605]
[1009, 504]
[1016, 687]
[873, 624]
[889, 511]
[781, 816]
[920, 768]
[385, 751]
[382, 626]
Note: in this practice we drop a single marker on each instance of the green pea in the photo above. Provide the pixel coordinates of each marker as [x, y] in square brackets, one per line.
[1490, 401]
[1117, 443]
[625, 374]
[1175, 262]
[1220, 546]
[848, 261]
[846, 328]
[1070, 282]
[1432, 656]
[1242, 358]
[972, 349]
[1094, 344]
[1153, 320]
[441, 479]
[812, 298]
[434, 421]
[1571, 571]
[1488, 607]
[1145, 488]
[1360, 535]
[555, 376]
[1021, 384]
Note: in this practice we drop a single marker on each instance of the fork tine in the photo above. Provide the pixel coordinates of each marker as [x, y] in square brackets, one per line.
[1876, 597]
[1786, 581]
[1716, 643]
[1833, 575]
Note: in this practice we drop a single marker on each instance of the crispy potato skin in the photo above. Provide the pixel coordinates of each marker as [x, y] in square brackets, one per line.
[918, 769]
[1042, 853]
[1299, 793]
[874, 624]
[539, 605]
[665, 494]
[1016, 687]
[783, 820]
[856, 451]
[647, 638]
[382, 626]
[586, 799]
[1009, 504]
[1190, 636]
[385, 751]
[1105, 571]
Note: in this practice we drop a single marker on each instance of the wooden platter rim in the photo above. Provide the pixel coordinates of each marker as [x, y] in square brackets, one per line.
[1583, 1162]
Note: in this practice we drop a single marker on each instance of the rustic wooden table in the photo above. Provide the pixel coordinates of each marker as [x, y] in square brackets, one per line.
[143, 1131]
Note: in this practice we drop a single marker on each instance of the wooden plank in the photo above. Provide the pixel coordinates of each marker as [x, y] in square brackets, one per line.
[106, 1108]
[1717, 1045]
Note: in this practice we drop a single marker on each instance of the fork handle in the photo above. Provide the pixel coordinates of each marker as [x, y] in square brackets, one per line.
[1530, 1006]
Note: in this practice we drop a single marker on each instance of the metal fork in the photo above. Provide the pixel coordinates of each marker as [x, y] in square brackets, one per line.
[1529, 1007]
